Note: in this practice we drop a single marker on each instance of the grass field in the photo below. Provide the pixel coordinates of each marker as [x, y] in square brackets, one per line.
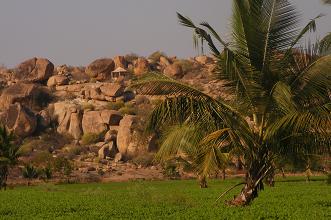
[294, 199]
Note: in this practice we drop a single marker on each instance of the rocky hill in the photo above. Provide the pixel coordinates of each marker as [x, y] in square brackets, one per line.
[87, 114]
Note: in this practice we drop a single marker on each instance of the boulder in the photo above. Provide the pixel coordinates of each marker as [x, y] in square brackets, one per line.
[112, 89]
[98, 121]
[174, 71]
[118, 157]
[111, 136]
[107, 150]
[68, 117]
[120, 61]
[141, 66]
[203, 60]
[100, 68]
[19, 120]
[44, 119]
[57, 80]
[26, 94]
[164, 61]
[75, 129]
[124, 135]
[35, 70]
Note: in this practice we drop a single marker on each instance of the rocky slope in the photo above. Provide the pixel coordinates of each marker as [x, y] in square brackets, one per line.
[99, 120]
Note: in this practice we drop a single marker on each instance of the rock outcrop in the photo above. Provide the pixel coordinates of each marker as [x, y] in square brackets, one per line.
[68, 117]
[141, 66]
[26, 94]
[101, 68]
[120, 61]
[174, 71]
[34, 70]
[57, 80]
[99, 121]
[124, 135]
[19, 120]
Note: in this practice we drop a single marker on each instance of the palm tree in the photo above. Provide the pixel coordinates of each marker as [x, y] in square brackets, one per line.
[281, 92]
[8, 155]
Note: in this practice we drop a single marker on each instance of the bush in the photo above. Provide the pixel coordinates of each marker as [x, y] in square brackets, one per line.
[46, 173]
[155, 57]
[88, 106]
[128, 111]
[131, 57]
[41, 158]
[30, 172]
[115, 105]
[186, 65]
[170, 169]
[91, 138]
[144, 160]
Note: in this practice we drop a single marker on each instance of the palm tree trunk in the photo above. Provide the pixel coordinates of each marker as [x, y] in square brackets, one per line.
[202, 182]
[3, 177]
[223, 174]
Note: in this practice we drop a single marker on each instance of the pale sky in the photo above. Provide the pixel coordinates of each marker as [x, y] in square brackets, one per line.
[75, 32]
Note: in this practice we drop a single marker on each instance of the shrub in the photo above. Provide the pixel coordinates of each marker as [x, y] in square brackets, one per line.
[30, 172]
[91, 138]
[186, 65]
[41, 158]
[131, 57]
[170, 169]
[155, 57]
[115, 105]
[88, 106]
[128, 111]
[144, 160]
[46, 173]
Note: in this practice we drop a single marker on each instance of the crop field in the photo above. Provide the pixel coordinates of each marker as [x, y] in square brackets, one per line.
[293, 199]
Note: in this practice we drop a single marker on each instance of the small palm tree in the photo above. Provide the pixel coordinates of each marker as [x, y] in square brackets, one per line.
[281, 92]
[8, 154]
[30, 172]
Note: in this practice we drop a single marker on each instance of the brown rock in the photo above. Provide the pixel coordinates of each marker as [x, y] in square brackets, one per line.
[141, 66]
[75, 129]
[20, 120]
[35, 70]
[164, 61]
[57, 80]
[44, 119]
[174, 70]
[98, 121]
[120, 61]
[112, 90]
[100, 68]
[203, 60]
[124, 135]
[26, 94]
[118, 157]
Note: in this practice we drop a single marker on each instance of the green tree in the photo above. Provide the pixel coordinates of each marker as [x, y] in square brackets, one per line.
[281, 92]
[8, 155]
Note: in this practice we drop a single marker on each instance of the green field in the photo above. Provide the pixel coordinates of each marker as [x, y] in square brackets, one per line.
[294, 199]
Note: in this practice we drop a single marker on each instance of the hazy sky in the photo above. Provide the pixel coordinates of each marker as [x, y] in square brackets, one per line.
[76, 32]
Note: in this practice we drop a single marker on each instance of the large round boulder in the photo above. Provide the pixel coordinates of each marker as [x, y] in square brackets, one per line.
[100, 68]
[57, 80]
[99, 121]
[34, 70]
[174, 71]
